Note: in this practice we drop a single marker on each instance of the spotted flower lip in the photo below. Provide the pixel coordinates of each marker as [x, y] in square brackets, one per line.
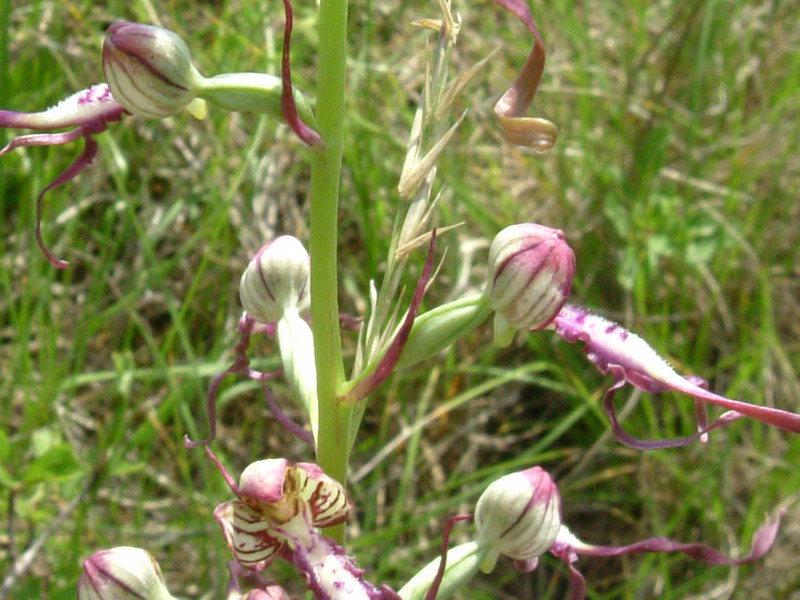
[615, 350]
[88, 112]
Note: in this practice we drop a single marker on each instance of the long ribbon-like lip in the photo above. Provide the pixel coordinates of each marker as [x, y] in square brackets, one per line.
[614, 349]
[88, 112]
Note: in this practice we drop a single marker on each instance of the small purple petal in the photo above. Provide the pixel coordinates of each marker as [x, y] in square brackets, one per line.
[370, 383]
[566, 553]
[241, 364]
[42, 139]
[223, 471]
[303, 131]
[290, 425]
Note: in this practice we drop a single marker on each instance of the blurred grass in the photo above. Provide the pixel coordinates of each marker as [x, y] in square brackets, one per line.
[675, 179]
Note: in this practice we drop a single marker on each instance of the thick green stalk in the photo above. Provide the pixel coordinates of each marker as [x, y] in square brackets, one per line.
[332, 445]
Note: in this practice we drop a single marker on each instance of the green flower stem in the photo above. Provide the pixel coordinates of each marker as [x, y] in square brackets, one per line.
[334, 417]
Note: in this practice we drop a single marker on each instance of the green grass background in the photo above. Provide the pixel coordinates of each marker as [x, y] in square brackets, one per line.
[675, 178]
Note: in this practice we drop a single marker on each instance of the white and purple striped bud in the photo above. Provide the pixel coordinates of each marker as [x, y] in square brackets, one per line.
[277, 279]
[531, 270]
[122, 573]
[519, 515]
[149, 70]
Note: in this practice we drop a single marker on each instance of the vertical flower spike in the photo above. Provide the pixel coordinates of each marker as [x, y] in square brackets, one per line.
[122, 573]
[277, 513]
[613, 349]
[88, 112]
[149, 70]
[530, 275]
[539, 134]
[519, 515]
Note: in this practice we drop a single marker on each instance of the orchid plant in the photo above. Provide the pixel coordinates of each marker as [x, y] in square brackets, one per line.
[296, 512]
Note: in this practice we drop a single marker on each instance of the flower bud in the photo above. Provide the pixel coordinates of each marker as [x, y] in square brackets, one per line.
[270, 592]
[149, 70]
[531, 269]
[519, 515]
[276, 279]
[122, 573]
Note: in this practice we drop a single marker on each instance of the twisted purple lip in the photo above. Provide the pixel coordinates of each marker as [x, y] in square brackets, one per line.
[630, 359]
[88, 112]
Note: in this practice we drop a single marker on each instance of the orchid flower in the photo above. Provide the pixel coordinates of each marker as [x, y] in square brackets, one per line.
[629, 359]
[150, 74]
[277, 515]
[88, 112]
[520, 514]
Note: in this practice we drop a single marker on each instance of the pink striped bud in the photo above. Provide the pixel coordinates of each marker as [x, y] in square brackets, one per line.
[519, 515]
[149, 70]
[531, 269]
[276, 279]
[122, 573]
